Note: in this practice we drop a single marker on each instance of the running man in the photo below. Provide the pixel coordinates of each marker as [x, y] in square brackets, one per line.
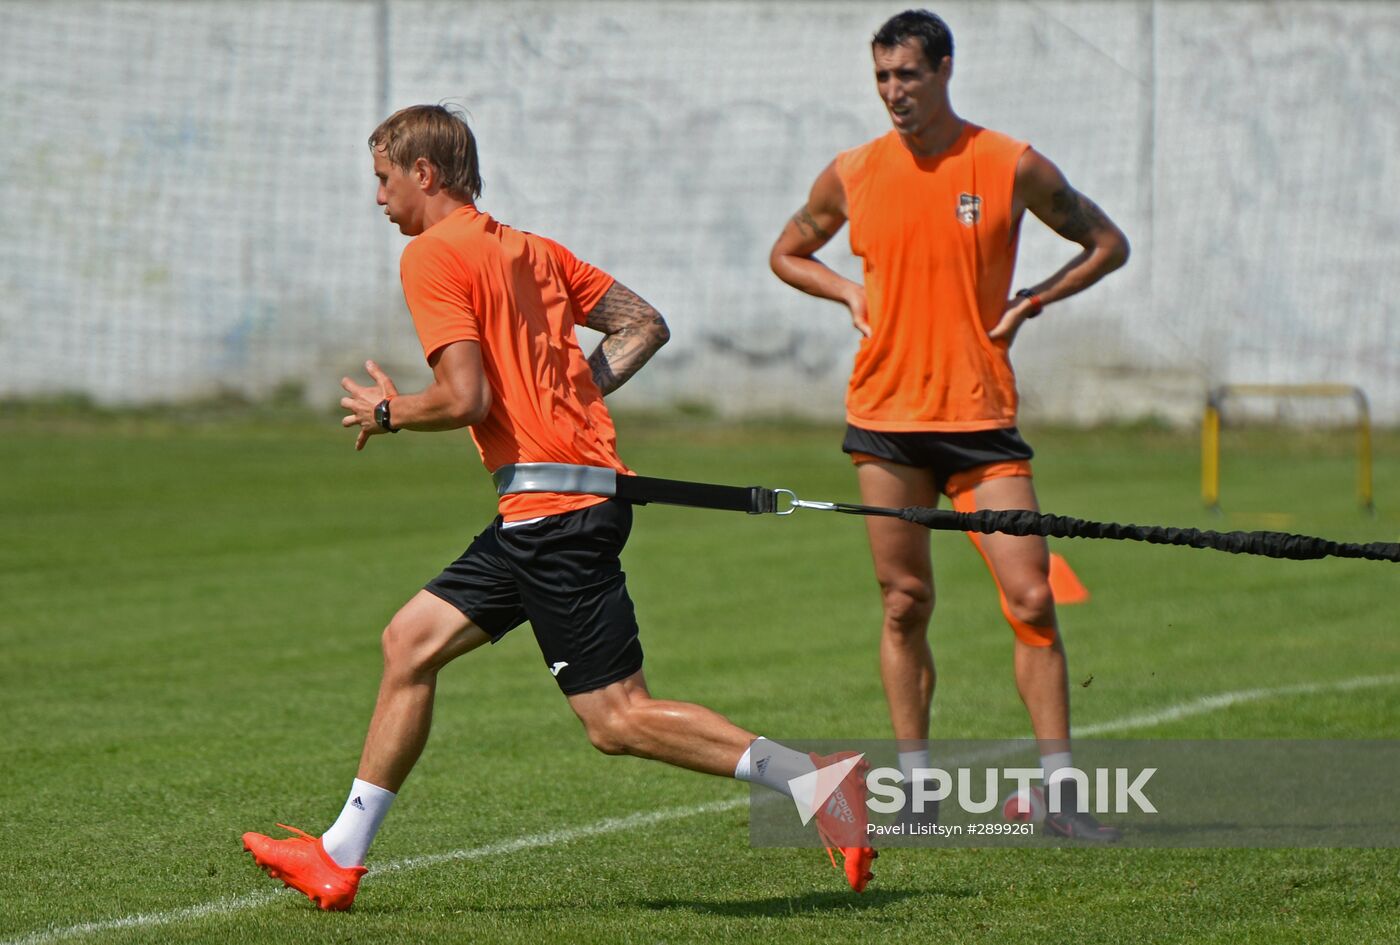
[935, 209]
[495, 310]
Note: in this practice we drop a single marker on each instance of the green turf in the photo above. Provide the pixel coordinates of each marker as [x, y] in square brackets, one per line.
[190, 631]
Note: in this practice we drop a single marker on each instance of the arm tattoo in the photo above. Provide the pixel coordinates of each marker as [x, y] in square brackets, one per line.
[809, 225]
[634, 331]
[1079, 216]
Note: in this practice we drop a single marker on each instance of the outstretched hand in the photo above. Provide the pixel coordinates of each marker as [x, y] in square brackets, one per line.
[362, 401]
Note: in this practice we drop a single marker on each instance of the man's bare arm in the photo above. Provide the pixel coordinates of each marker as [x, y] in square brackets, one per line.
[793, 258]
[458, 396]
[1043, 190]
[634, 331]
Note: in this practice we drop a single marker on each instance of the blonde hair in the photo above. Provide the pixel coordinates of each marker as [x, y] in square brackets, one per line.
[439, 135]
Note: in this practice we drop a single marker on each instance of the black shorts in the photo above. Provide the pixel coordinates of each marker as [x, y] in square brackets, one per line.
[564, 575]
[944, 454]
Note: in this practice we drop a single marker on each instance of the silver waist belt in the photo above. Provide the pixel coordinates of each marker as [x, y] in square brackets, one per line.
[555, 477]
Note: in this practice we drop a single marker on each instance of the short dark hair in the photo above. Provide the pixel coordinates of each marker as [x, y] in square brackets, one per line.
[928, 28]
[438, 134]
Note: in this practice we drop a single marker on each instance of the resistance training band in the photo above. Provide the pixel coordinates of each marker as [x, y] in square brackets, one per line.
[758, 500]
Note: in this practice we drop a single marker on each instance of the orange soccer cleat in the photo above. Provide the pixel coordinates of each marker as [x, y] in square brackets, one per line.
[842, 820]
[301, 862]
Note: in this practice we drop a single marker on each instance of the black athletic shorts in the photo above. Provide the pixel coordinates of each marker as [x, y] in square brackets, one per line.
[563, 574]
[945, 454]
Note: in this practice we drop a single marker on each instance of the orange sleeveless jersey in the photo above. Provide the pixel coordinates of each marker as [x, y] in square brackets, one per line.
[471, 278]
[938, 243]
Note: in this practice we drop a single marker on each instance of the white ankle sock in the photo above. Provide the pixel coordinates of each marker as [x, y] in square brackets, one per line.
[348, 839]
[910, 761]
[1053, 764]
[767, 763]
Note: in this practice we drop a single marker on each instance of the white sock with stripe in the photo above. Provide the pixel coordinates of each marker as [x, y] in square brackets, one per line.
[772, 765]
[348, 839]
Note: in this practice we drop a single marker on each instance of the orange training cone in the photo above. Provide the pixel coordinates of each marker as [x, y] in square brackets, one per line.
[1065, 585]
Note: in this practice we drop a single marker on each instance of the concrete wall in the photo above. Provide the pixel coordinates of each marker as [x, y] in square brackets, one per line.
[188, 203]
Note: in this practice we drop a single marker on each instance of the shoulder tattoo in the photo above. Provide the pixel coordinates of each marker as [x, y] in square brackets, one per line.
[808, 224]
[1078, 215]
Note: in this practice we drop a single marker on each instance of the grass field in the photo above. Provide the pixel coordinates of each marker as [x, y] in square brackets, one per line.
[190, 631]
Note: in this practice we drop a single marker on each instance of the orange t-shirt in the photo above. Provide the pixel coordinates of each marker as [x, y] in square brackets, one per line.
[938, 243]
[470, 278]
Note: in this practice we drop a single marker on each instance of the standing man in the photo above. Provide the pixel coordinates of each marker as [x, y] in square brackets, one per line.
[495, 310]
[935, 209]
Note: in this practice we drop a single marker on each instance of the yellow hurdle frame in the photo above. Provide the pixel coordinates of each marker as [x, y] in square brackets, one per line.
[1210, 432]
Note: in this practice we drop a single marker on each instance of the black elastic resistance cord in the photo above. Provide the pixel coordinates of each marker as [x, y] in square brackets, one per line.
[757, 500]
[1027, 522]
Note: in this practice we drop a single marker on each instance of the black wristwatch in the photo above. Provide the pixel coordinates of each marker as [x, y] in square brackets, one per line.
[381, 416]
[1037, 306]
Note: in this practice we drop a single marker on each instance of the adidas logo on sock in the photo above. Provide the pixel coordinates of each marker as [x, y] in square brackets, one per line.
[357, 804]
[762, 766]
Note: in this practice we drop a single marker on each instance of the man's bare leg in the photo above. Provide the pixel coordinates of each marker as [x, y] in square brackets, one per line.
[623, 718]
[1021, 566]
[425, 635]
[904, 570]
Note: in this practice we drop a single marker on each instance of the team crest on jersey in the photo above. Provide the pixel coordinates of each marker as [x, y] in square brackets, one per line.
[969, 209]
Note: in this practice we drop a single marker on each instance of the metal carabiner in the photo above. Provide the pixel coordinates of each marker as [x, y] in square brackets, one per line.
[795, 503]
[792, 496]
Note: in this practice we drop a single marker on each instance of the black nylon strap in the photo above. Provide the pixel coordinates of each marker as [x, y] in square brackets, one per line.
[754, 500]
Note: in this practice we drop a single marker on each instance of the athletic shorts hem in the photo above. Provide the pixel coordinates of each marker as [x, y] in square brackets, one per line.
[967, 480]
[915, 426]
[579, 688]
[495, 635]
[956, 460]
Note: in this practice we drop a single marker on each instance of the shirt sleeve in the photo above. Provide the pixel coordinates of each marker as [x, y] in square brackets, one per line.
[587, 284]
[438, 295]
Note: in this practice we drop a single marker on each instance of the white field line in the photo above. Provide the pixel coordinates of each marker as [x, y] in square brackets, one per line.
[1182, 710]
[1201, 706]
[1208, 704]
[254, 900]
